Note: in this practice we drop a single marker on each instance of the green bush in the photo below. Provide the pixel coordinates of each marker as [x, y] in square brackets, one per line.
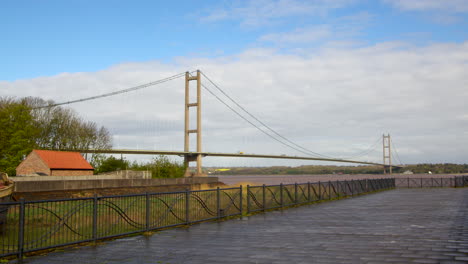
[162, 167]
[112, 164]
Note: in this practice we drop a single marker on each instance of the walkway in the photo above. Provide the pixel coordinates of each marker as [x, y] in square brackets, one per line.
[399, 226]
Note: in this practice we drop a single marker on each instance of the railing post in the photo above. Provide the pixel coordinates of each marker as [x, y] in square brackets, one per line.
[148, 213]
[308, 191]
[421, 183]
[263, 197]
[408, 182]
[187, 206]
[367, 185]
[248, 199]
[432, 182]
[319, 192]
[281, 195]
[338, 193]
[241, 201]
[21, 231]
[441, 183]
[329, 190]
[295, 193]
[95, 212]
[352, 187]
[218, 203]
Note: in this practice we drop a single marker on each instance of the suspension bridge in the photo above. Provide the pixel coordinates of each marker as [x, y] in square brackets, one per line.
[197, 154]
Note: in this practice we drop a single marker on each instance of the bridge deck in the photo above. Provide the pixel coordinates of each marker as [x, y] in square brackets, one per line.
[399, 226]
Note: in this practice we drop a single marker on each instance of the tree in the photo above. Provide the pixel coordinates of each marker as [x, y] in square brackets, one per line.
[18, 132]
[32, 122]
[112, 164]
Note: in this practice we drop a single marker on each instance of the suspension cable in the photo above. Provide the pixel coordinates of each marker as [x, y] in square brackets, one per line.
[304, 150]
[396, 152]
[366, 151]
[250, 122]
[116, 92]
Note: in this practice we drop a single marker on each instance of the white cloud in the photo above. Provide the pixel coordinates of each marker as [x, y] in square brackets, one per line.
[453, 6]
[442, 12]
[257, 13]
[340, 30]
[335, 101]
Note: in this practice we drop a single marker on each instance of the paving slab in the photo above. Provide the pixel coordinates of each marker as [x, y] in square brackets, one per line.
[398, 226]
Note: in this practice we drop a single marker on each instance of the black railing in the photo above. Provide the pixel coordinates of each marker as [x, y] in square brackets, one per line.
[39, 225]
[458, 181]
[265, 197]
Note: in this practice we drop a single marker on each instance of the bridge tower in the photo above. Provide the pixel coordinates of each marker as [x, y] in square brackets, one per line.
[193, 157]
[387, 153]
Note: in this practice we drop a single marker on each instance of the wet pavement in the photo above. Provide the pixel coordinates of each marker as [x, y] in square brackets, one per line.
[398, 226]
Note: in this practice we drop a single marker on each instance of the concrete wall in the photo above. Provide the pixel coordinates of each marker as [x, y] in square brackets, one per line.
[71, 172]
[31, 165]
[67, 185]
[124, 174]
[127, 174]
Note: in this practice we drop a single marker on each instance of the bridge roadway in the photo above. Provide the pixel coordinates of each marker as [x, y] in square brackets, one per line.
[398, 226]
[216, 154]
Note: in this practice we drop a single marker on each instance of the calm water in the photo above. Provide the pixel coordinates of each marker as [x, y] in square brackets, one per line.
[286, 179]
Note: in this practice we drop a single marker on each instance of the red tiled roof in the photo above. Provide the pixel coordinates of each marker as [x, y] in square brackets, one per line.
[63, 160]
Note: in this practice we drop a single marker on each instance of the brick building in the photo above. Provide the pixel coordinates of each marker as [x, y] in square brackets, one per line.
[54, 163]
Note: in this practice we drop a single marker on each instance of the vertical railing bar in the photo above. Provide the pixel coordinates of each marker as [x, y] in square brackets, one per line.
[263, 197]
[319, 192]
[248, 199]
[241, 201]
[295, 193]
[187, 206]
[281, 195]
[329, 190]
[95, 205]
[218, 203]
[308, 191]
[148, 212]
[21, 230]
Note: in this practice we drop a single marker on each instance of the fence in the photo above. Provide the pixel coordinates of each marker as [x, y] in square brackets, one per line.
[264, 197]
[459, 181]
[38, 225]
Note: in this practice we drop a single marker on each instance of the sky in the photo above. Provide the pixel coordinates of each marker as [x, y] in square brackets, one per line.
[329, 75]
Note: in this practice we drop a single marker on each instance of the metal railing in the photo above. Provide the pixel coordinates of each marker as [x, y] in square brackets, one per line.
[39, 225]
[265, 197]
[458, 181]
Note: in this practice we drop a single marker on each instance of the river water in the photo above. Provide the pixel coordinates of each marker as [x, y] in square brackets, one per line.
[288, 179]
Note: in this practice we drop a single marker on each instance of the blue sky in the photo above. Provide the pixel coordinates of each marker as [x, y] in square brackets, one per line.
[331, 75]
[43, 38]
